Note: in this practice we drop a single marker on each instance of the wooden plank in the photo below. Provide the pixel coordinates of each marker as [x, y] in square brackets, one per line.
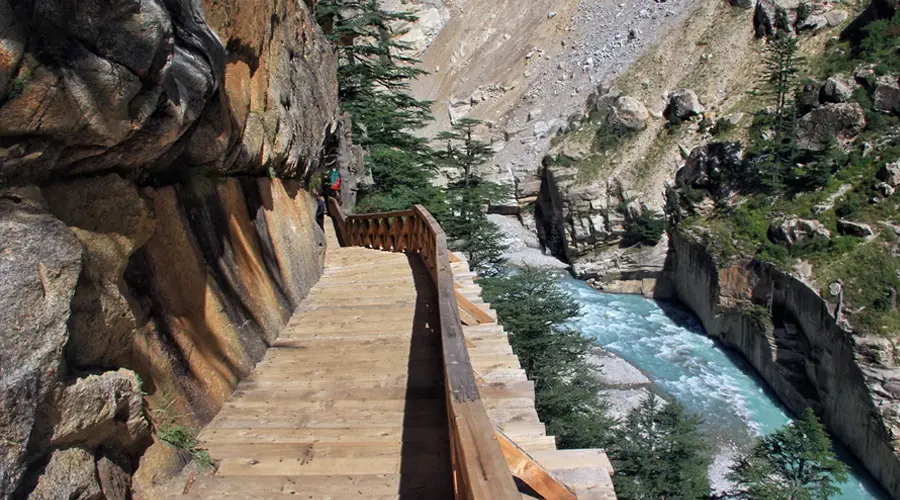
[368, 486]
[472, 310]
[524, 467]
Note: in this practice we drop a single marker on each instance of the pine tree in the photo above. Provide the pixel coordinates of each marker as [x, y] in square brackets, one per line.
[660, 452]
[468, 197]
[536, 312]
[374, 71]
[781, 79]
[795, 462]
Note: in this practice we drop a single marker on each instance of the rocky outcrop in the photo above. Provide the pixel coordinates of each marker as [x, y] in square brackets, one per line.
[146, 88]
[886, 96]
[39, 267]
[841, 122]
[794, 231]
[890, 173]
[800, 350]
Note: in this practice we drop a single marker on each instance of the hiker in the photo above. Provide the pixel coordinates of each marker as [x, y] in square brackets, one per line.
[320, 208]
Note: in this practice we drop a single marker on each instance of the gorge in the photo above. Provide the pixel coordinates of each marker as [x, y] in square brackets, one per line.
[159, 161]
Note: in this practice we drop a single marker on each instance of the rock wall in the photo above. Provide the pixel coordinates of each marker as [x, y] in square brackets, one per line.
[795, 344]
[149, 252]
[112, 293]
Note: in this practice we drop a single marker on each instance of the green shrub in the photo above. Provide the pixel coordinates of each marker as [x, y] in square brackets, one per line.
[646, 228]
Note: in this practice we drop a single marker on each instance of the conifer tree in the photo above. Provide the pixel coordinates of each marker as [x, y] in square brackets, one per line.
[468, 197]
[795, 462]
[660, 452]
[781, 80]
[374, 71]
[536, 312]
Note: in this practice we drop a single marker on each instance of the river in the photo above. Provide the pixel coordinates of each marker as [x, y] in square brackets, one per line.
[669, 345]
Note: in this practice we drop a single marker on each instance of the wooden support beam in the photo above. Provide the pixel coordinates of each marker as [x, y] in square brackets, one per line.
[524, 467]
[469, 311]
[453, 258]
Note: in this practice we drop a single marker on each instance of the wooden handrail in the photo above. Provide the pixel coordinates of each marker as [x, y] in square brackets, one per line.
[479, 465]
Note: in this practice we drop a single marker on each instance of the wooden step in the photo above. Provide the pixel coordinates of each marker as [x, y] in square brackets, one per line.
[574, 459]
[397, 434]
[368, 486]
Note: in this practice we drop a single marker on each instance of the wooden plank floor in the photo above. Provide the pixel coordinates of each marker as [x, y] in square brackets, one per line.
[349, 402]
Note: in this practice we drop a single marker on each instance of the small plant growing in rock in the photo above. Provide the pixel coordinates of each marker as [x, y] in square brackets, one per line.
[185, 439]
[178, 435]
[16, 87]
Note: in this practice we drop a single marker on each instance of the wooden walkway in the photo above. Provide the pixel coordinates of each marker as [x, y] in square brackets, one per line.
[350, 401]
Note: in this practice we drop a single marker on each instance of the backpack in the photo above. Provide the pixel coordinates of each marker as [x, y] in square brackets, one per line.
[335, 180]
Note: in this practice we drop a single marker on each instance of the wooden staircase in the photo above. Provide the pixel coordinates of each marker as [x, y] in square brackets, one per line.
[352, 401]
[508, 396]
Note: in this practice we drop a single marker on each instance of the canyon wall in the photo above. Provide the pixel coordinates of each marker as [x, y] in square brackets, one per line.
[155, 227]
[795, 344]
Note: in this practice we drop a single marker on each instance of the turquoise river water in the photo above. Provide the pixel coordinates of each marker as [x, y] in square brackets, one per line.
[669, 345]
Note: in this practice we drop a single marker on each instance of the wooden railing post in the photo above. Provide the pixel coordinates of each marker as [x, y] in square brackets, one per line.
[479, 466]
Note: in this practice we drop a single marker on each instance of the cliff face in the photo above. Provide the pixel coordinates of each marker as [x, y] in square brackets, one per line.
[144, 87]
[149, 252]
[795, 344]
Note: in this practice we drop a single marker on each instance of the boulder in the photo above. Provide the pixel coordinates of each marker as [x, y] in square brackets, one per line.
[813, 22]
[707, 164]
[850, 228]
[809, 95]
[542, 129]
[115, 482]
[884, 189]
[627, 113]
[862, 72]
[70, 474]
[796, 231]
[842, 121]
[40, 261]
[104, 409]
[838, 88]
[836, 17]
[886, 96]
[683, 104]
[771, 16]
[890, 173]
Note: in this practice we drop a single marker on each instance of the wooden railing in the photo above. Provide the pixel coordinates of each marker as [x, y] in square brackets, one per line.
[479, 466]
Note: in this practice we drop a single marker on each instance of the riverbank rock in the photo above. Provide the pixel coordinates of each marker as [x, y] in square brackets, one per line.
[40, 261]
[683, 104]
[840, 121]
[627, 113]
[887, 94]
[70, 474]
[791, 232]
